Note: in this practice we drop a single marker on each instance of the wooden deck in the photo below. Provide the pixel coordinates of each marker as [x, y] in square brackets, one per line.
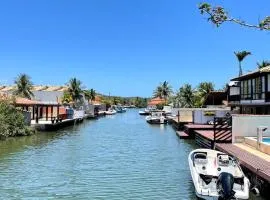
[182, 135]
[223, 136]
[191, 128]
[255, 164]
[205, 138]
[199, 126]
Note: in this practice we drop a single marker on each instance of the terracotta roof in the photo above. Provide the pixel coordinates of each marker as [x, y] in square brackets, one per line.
[156, 101]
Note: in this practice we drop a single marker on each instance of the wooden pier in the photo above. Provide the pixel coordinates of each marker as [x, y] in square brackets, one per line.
[207, 135]
[256, 168]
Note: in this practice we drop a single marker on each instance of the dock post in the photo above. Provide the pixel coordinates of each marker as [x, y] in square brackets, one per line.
[46, 113]
[51, 112]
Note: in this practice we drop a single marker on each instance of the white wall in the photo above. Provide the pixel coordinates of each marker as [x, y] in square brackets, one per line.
[188, 115]
[78, 114]
[246, 125]
[200, 118]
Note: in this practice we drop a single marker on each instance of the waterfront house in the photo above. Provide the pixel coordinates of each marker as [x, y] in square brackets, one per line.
[98, 105]
[250, 93]
[216, 99]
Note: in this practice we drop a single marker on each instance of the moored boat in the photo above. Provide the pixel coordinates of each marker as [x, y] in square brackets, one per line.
[156, 117]
[110, 112]
[147, 111]
[120, 109]
[217, 175]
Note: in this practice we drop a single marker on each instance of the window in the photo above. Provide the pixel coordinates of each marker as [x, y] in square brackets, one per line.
[253, 88]
[246, 89]
[268, 82]
[258, 88]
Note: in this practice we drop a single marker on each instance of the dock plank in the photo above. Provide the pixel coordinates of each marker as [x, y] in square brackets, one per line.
[254, 163]
[182, 135]
[209, 134]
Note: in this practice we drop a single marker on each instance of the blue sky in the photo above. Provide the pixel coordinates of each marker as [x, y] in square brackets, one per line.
[126, 47]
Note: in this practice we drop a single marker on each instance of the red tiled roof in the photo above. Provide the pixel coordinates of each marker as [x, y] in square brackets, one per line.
[156, 101]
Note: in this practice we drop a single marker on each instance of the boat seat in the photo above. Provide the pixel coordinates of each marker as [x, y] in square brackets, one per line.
[200, 158]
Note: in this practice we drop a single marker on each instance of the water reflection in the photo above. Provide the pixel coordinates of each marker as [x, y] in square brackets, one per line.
[115, 157]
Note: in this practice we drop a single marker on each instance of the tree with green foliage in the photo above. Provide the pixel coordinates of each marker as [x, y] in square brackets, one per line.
[66, 99]
[75, 89]
[164, 90]
[23, 86]
[90, 95]
[218, 15]
[203, 90]
[264, 63]
[12, 121]
[140, 102]
[185, 96]
[241, 55]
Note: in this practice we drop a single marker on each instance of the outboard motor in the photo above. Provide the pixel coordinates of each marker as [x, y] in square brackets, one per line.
[225, 186]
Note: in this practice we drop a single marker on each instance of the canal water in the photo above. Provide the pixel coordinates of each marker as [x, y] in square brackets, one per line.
[115, 157]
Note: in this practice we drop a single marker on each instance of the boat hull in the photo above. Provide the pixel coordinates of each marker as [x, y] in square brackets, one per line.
[208, 191]
[157, 121]
[144, 113]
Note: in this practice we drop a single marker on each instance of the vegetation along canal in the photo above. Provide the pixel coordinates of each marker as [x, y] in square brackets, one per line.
[115, 157]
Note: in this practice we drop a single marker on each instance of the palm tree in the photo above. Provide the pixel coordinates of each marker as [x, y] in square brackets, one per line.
[75, 89]
[90, 95]
[164, 90]
[24, 86]
[186, 96]
[204, 90]
[264, 63]
[240, 57]
[158, 92]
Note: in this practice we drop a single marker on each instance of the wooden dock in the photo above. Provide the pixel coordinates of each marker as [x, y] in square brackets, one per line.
[57, 125]
[190, 129]
[182, 135]
[207, 139]
[207, 135]
[255, 164]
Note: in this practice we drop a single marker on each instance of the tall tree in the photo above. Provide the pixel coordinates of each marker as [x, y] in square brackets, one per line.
[24, 86]
[90, 95]
[164, 90]
[240, 55]
[264, 63]
[218, 15]
[204, 90]
[186, 96]
[158, 92]
[75, 89]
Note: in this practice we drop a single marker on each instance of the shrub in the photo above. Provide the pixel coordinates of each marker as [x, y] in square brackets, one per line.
[12, 121]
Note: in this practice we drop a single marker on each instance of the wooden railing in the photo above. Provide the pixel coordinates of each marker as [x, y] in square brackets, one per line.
[222, 130]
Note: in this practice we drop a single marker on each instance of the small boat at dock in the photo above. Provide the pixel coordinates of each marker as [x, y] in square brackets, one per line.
[156, 117]
[147, 111]
[217, 176]
[110, 112]
[120, 109]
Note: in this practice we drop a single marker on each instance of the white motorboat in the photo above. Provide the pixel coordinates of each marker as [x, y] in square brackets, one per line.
[147, 111]
[156, 118]
[110, 112]
[217, 176]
